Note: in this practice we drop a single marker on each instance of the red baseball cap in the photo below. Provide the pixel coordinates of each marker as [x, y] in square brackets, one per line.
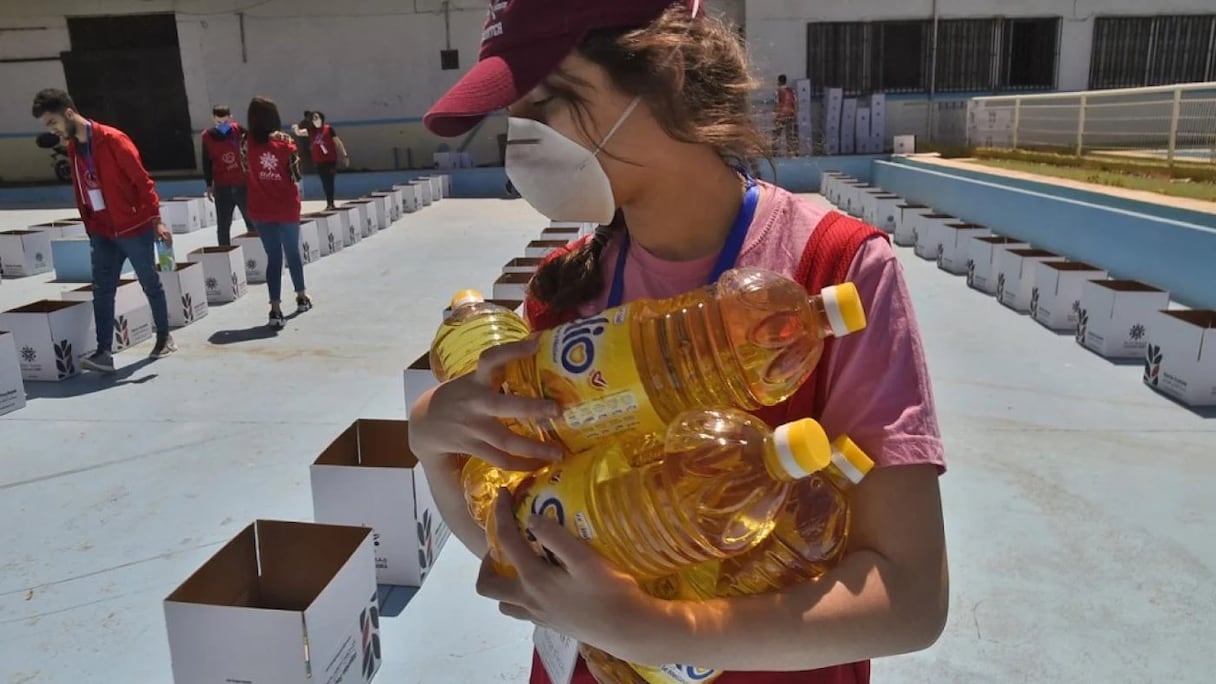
[522, 43]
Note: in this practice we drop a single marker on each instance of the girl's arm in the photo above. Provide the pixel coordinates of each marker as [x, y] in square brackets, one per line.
[889, 595]
[443, 477]
[342, 152]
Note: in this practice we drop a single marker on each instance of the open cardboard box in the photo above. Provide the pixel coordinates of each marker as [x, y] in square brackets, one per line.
[369, 213]
[62, 229]
[223, 272]
[981, 267]
[1015, 273]
[418, 379]
[927, 236]
[954, 250]
[564, 234]
[25, 253]
[184, 215]
[254, 252]
[132, 314]
[425, 191]
[411, 198]
[854, 192]
[884, 213]
[1116, 316]
[1055, 300]
[310, 242]
[522, 265]
[206, 209]
[391, 203]
[1180, 359]
[358, 221]
[329, 229]
[368, 476]
[512, 286]
[12, 386]
[540, 248]
[50, 336]
[282, 603]
[186, 293]
[905, 231]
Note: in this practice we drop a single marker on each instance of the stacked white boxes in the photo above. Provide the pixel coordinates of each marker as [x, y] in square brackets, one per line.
[833, 102]
[848, 126]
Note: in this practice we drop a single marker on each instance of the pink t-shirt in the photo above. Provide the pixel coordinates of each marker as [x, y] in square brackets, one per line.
[878, 390]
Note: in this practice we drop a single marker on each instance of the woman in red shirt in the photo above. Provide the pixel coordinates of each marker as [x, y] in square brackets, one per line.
[325, 148]
[637, 115]
[272, 165]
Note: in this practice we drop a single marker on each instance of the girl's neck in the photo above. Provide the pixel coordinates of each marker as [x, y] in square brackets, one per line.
[687, 208]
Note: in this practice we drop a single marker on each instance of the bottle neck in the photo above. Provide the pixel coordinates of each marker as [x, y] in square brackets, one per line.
[834, 475]
[823, 324]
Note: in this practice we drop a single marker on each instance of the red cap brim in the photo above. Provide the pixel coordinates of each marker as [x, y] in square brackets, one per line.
[495, 83]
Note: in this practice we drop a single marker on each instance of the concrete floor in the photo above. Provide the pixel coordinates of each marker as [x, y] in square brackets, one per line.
[1079, 504]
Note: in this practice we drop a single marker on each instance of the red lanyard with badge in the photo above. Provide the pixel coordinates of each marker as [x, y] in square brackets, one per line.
[90, 187]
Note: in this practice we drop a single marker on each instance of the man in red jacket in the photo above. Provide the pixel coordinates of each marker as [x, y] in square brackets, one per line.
[222, 170]
[121, 212]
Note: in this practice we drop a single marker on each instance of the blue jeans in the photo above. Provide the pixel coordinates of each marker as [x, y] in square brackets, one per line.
[279, 240]
[108, 257]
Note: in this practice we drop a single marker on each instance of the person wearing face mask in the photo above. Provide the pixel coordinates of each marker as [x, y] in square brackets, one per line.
[121, 212]
[222, 170]
[636, 115]
[326, 149]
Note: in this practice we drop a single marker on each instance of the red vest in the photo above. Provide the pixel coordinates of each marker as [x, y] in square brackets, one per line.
[273, 196]
[321, 145]
[825, 261]
[225, 155]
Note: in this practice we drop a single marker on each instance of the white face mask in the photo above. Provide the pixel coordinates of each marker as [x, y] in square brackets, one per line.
[560, 178]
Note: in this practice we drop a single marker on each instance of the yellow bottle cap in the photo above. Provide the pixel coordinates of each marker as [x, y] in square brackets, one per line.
[802, 448]
[843, 306]
[850, 459]
[466, 297]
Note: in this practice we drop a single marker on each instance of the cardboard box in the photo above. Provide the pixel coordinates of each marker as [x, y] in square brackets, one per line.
[418, 379]
[25, 253]
[352, 218]
[383, 210]
[223, 272]
[410, 201]
[73, 259]
[868, 206]
[833, 105]
[392, 205]
[424, 191]
[885, 212]
[564, 234]
[906, 227]
[1180, 360]
[12, 386]
[522, 265]
[954, 250]
[254, 253]
[1116, 316]
[861, 130]
[132, 315]
[182, 216]
[310, 242]
[905, 144]
[369, 477]
[329, 229]
[925, 232]
[369, 217]
[512, 285]
[186, 292]
[59, 230]
[283, 602]
[848, 126]
[878, 122]
[1015, 275]
[206, 210]
[854, 197]
[1055, 300]
[981, 267]
[50, 337]
[829, 184]
[539, 248]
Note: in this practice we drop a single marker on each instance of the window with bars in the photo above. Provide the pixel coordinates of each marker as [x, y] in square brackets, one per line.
[973, 55]
[1129, 52]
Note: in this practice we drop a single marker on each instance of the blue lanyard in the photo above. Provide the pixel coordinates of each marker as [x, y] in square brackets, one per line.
[726, 258]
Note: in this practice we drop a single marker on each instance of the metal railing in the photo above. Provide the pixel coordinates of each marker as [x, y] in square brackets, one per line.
[1165, 123]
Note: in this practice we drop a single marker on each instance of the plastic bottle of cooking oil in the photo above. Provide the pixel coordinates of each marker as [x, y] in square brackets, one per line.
[809, 537]
[474, 326]
[748, 341]
[164, 257]
[724, 464]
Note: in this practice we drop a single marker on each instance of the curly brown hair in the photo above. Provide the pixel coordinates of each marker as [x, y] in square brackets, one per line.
[693, 74]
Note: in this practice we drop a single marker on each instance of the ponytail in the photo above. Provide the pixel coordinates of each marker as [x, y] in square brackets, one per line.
[574, 278]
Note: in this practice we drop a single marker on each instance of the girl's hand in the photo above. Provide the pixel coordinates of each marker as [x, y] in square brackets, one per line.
[463, 416]
[584, 597]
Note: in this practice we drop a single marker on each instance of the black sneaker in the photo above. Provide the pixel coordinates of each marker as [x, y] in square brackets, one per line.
[303, 303]
[277, 321]
[164, 347]
[99, 362]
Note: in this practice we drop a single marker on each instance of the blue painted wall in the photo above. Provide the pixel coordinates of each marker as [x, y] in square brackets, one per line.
[804, 174]
[1155, 209]
[1170, 254]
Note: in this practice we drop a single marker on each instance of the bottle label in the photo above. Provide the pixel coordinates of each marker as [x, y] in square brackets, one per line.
[675, 674]
[588, 368]
[559, 492]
